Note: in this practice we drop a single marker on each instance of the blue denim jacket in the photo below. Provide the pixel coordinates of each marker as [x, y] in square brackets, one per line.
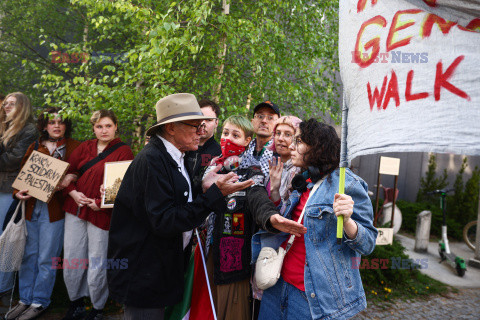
[334, 289]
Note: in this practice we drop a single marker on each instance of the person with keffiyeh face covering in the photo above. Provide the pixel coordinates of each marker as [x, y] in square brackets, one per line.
[45, 222]
[229, 233]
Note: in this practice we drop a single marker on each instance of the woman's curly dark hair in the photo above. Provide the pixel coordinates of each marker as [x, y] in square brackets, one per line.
[324, 152]
[43, 119]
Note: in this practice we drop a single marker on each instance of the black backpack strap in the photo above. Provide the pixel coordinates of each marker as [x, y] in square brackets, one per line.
[100, 157]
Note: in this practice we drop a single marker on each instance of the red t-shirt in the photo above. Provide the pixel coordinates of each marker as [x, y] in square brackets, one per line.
[293, 268]
[89, 183]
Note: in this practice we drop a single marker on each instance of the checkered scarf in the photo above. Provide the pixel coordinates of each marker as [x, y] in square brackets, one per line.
[249, 160]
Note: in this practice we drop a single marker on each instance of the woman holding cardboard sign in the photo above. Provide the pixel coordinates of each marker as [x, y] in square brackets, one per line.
[45, 222]
[86, 225]
[17, 132]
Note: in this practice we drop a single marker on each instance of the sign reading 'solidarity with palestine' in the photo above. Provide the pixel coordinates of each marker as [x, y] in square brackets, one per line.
[40, 175]
[411, 75]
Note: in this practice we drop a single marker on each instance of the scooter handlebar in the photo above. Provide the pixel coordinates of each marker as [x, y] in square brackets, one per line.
[439, 191]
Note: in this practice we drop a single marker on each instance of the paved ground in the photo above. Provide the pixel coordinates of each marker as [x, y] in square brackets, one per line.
[444, 272]
[459, 306]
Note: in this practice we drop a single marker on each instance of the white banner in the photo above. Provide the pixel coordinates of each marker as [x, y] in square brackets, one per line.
[411, 75]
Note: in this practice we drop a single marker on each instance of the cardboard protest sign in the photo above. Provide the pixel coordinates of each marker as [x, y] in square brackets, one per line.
[112, 179]
[384, 237]
[41, 175]
[410, 71]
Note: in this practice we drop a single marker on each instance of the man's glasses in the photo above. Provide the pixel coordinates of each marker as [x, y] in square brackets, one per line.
[200, 128]
[264, 116]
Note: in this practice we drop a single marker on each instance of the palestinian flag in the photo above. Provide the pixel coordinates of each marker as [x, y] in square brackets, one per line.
[196, 303]
[201, 307]
[181, 311]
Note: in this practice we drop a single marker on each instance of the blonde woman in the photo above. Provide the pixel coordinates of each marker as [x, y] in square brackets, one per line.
[17, 132]
[86, 224]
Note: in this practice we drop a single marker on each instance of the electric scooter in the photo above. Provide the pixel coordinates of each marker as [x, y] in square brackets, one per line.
[443, 248]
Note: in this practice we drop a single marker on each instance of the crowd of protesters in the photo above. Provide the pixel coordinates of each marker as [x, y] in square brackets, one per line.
[238, 193]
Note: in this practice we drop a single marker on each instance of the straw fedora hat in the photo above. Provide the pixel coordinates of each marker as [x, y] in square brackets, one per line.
[177, 107]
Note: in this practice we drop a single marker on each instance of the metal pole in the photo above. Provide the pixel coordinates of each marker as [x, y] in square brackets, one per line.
[377, 197]
[475, 262]
[343, 165]
[394, 200]
[477, 238]
[206, 274]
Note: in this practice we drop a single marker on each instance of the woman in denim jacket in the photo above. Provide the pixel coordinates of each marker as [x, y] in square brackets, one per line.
[317, 279]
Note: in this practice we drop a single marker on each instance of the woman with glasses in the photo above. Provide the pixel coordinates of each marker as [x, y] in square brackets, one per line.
[17, 132]
[45, 222]
[86, 224]
[317, 279]
[282, 169]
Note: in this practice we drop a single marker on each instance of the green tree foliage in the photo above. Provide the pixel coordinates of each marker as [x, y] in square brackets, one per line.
[236, 52]
[456, 201]
[410, 210]
[430, 181]
[23, 49]
[470, 196]
[461, 205]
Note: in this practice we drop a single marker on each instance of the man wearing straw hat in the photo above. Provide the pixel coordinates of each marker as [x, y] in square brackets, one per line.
[155, 211]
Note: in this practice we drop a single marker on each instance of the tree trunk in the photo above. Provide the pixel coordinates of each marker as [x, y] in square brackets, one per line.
[221, 56]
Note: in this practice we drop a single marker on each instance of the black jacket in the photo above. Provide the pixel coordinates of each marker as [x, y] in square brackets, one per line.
[11, 156]
[198, 160]
[149, 216]
[234, 228]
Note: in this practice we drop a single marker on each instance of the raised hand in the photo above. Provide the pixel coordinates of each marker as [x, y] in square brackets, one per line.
[276, 169]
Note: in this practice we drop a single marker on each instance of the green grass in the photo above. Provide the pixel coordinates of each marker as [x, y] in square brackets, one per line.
[391, 283]
[416, 286]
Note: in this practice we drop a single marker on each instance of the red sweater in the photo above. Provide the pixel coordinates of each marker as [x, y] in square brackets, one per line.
[89, 183]
[293, 268]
